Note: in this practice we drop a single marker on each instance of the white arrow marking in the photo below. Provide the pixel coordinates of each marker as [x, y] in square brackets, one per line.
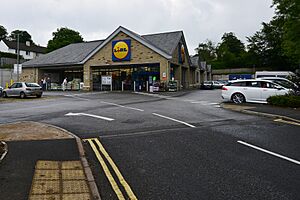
[90, 115]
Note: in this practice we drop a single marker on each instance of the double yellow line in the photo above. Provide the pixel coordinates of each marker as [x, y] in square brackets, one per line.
[288, 122]
[108, 174]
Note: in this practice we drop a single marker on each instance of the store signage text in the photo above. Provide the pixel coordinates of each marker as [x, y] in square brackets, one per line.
[121, 50]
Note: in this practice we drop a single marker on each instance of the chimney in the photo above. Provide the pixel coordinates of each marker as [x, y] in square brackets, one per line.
[28, 43]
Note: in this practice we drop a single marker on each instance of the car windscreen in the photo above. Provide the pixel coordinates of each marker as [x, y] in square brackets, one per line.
[284, 83]
[32, 85]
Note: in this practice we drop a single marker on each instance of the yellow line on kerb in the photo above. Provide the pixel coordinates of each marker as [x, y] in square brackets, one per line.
[106, 171]
[127, 188]
[287, 122]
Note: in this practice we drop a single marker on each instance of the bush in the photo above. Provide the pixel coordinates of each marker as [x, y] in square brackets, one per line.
[9, 55]
[285, 101]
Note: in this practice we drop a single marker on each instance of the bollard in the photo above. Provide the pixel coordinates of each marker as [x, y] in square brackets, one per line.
[134, 86]
[147, 86]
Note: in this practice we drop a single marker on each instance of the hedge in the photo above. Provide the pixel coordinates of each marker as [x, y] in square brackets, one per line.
[285, 101]
[9, 55]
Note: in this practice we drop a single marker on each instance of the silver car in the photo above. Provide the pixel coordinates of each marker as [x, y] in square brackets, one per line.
[23, 89]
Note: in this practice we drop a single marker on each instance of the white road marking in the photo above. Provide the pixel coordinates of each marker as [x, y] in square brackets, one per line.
[269, 152]
[128, 107]
[175, 120]
[89, 115]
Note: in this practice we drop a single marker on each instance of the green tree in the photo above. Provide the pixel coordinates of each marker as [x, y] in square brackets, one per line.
[265, 46]
[206, 51]
[23, 36]
[63, 37]
[288, 11]
[230, 51]
[3, 32]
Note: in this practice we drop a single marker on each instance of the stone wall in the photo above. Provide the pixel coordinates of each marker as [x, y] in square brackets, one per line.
[29, 75]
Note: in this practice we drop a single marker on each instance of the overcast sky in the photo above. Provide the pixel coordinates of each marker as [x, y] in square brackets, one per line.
[96, 19]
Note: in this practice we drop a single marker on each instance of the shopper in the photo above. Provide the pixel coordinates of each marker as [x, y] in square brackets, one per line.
[64, 84]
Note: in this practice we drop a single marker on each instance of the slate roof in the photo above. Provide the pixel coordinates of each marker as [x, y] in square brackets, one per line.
[79, 53]
[165, 41]
[195, 61]
[68, 55]
[24, 47]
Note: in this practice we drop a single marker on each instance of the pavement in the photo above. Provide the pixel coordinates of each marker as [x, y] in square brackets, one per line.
[290, 114]
[34, 166]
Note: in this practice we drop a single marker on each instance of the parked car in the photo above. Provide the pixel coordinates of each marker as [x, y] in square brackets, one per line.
[1, 89]
[217, 84]
[282, 81]
[252, 90]
[282, 74]
[23, 89]
[207, 85]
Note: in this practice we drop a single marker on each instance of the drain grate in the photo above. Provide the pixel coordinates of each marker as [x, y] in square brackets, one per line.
[58, 180]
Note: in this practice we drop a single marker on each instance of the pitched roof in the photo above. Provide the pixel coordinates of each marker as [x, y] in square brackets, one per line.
[24, 47]
[162, 43]
[195, 60]
[134, 36]
[70, 54]
[165, 41]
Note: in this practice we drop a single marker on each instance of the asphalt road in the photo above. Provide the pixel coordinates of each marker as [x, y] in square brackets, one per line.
[184, 147]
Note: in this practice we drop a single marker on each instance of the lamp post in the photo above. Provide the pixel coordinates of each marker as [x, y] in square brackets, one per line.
[18, 53]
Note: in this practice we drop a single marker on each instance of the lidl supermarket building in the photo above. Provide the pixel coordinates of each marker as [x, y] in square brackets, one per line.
[125, 60]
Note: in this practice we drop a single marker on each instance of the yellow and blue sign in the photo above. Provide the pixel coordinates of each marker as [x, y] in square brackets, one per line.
[121, 50]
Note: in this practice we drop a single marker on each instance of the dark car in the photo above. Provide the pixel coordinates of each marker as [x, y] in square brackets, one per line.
[207, 85]
[1, 90]
[23, 89]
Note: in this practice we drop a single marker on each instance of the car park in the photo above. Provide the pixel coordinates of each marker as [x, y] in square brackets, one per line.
[23, 89]
[252, 90]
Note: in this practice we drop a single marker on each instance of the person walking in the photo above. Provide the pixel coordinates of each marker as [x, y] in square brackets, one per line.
[44, 84]
[64, 84]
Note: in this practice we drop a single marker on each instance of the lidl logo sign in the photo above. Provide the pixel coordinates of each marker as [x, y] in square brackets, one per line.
[121, 50]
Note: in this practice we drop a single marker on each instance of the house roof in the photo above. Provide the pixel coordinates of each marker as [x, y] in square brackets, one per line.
[162, 43]
[24, 47]
[68, 55]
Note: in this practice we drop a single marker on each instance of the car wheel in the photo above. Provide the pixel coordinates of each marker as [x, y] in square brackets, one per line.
[238, 98]
[38, 95]
[4, 94]
[22, 95]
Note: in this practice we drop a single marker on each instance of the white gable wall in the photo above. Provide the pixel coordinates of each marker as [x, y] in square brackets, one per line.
[3, 47]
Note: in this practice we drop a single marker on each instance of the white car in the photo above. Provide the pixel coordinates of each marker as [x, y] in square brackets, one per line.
[282, 81]
[252, 90]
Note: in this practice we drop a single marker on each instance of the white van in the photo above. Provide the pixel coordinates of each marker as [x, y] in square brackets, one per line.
[282, 74]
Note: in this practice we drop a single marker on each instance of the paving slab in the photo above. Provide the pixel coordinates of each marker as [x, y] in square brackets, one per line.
[21, 131]
[25, 173]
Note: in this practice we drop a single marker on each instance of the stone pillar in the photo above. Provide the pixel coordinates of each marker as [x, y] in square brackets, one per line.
[87, 78]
